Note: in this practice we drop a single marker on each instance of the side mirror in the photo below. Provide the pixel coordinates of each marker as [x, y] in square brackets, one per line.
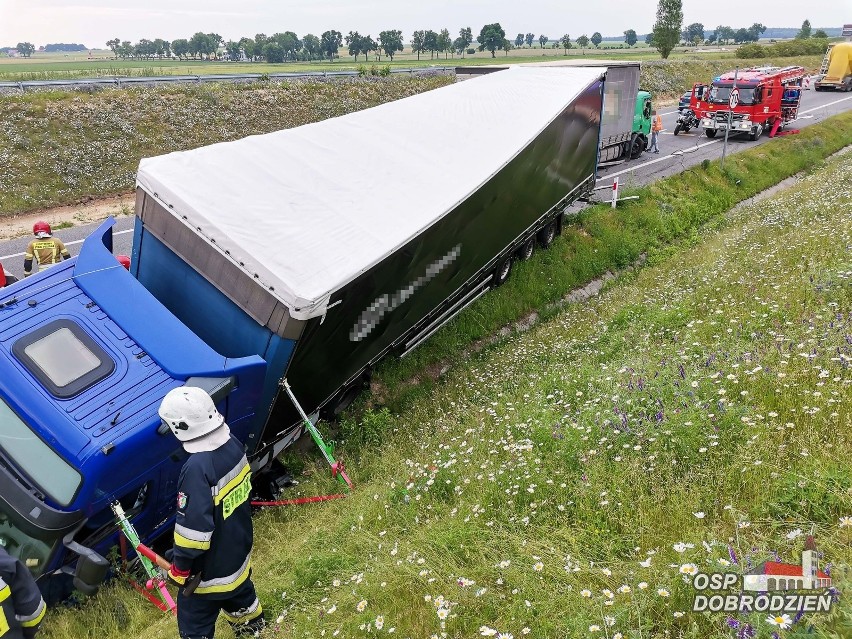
[91, 570]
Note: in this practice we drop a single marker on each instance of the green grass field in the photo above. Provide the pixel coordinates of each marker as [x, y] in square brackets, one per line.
[565, 481]
[56, 66]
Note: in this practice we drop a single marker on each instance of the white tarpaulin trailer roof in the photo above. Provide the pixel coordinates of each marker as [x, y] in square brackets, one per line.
[307, 210]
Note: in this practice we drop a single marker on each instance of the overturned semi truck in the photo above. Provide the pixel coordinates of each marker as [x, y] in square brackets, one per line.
[288, 262]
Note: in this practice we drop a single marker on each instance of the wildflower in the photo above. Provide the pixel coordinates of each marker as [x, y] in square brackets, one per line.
[607, 593]
[361, 605]
[663, 592]
[504, 564]
[505, 635]
[642, 585]
[646, 563]
[606, 571]
[538, 566]
[331, 610]
[586, 593]
[794, 533]
[846, 522]
[481, 592]
[699, 515]
[782, 621]
[678, 614]
[485, 631]
[594, 628]
[624, 589]
[618, 635]
[336, 583]
[443, 613]
[525, 631]
[464, 583]
[609, 621]
[689, 569]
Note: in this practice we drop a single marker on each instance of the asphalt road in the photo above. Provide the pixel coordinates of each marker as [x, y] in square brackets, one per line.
[676, 154]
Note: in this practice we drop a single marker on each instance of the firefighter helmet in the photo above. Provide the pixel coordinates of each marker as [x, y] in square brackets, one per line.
[124, 261]
[190, 413]
[41, 229]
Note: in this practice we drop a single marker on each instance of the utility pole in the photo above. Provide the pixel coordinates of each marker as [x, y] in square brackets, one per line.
[731, 105]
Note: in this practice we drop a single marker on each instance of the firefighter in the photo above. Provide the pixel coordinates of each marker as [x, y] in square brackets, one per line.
[656, 127]
[213, 529]
[21, 605]
[45, 248]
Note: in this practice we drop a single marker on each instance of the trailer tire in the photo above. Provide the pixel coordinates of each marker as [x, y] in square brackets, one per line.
[527, 249]
[548, 234]
[502, 272]
[345, 397]
[710, 133]
[637, 146]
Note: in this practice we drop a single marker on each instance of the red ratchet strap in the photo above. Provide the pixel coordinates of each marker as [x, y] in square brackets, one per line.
[299, 501]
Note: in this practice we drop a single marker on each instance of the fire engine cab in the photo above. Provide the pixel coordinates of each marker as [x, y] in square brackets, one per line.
[760, 98]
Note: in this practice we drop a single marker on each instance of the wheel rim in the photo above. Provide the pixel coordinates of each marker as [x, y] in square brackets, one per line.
[504, 271]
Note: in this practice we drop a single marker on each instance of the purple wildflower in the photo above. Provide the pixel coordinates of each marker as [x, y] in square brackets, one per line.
[733, 555]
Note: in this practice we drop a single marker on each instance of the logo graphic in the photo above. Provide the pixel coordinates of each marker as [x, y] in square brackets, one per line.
[770, 587]
[181, 501]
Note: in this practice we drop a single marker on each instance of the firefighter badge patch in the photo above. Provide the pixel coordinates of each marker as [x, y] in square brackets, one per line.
[181, 501]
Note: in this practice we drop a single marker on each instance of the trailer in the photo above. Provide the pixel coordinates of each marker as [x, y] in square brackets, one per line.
[290, 263]
[838, 69]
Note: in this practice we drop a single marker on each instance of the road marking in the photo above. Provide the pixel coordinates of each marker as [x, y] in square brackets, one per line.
[9, 257]
[695, 148]
[670, 113]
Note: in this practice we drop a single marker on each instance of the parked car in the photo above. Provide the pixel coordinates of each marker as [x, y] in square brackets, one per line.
[684, 101]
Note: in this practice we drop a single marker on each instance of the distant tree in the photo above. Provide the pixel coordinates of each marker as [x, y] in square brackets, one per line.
[198, 44]
[260, 40]
[125, 50]
[330, 42]
[459, 46]
[741, 35]
[583, 41]
[724, 34]
[756, 30]
[508, 45]
[26, 49]
[273, 52]
[180, 47]
[312, 46]
[805, 32]
[113, 46]
[819, 33]
[418, 39]
[695, 29]
[711, 38]
[368, 45]
[491, 38]
[353, 41]
[649, 39]
[290, 42]
[247, 46]
[465, 38]
[565, 42]
[55, 47]
[519, 40]
[667, 27]
[445, 42]
[143, 49]
[596, 39]
[630, 37]
[529, 39]
[233, 50]
[430, 43]
[390, 42]
[542, 40]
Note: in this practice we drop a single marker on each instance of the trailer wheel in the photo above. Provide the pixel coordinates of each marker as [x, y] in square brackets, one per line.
[710, 133]
[527, 249]
[345, 397]
[548, 234]
[502, 272]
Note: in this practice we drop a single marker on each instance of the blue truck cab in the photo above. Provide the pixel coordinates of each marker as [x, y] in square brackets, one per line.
[82, 373]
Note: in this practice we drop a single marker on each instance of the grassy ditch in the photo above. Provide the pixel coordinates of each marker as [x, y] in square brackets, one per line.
[602, 239]
[569, 481]
[63, 147]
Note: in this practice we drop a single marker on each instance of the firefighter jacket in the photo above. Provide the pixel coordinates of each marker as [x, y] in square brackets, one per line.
[46, 251]
[213, 529]
[21, 605]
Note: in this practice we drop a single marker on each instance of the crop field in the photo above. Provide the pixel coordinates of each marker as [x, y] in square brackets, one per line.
[568, 480]
[56, 66]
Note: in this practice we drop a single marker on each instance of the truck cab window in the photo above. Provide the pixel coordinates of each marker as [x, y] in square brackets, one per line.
[63, 357]
[646, 111]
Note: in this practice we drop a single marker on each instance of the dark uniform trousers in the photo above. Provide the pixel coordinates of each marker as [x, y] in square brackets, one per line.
[213, 537]
[21, 605]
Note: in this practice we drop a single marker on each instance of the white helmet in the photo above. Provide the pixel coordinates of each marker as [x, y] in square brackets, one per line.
[190, 413]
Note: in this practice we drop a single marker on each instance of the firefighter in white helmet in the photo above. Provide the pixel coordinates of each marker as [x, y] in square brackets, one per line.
[213, 529]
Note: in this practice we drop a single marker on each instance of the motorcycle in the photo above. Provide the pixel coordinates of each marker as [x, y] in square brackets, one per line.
[685, 121]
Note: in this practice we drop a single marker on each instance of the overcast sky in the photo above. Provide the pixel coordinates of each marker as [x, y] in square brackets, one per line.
[93, 22]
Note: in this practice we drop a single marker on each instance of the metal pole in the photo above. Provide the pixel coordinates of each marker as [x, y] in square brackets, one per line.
[730, 119]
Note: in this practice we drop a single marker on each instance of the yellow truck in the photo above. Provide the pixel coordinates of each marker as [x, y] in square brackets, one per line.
[838, 75]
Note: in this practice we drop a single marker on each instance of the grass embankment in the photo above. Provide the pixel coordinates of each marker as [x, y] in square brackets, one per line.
[59, 147]
[560, 483]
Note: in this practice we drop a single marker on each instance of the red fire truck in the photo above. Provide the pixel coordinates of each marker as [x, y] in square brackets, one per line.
[760, 98]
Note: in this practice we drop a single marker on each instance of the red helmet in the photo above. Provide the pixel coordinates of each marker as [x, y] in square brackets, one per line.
[124, 261]
[40, 228]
